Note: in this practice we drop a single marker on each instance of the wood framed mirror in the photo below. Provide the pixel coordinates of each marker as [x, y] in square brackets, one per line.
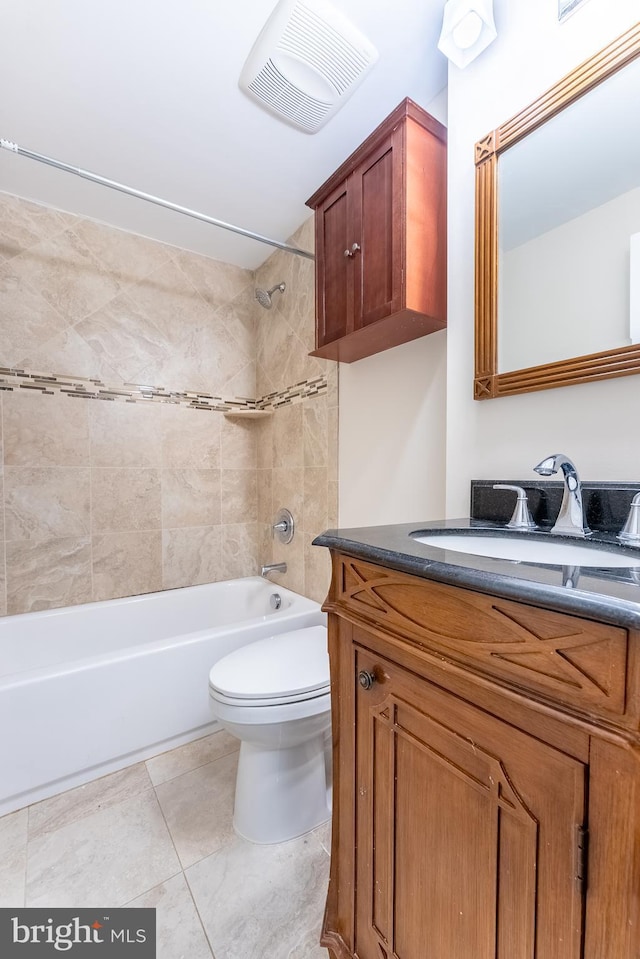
[557, 261]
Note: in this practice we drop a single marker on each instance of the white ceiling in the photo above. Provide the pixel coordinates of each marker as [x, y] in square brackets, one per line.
[146, 92]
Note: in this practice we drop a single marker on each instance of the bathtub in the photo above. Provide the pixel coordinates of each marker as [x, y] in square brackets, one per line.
[86, 690]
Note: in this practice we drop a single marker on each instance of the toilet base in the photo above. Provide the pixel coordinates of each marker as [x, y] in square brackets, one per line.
[280, 793]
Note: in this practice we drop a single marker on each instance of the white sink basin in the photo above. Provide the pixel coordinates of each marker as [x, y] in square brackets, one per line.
[523, 550]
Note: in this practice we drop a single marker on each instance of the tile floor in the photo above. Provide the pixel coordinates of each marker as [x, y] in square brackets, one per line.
[159, 834]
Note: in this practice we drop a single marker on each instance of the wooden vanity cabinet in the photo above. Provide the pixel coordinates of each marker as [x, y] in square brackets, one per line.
[477, 817]
[380, 225]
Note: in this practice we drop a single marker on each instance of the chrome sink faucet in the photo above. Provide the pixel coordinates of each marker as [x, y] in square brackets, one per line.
[570, 520]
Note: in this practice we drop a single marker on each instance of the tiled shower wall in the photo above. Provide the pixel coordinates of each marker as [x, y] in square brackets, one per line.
[121, 474]
[298, 445]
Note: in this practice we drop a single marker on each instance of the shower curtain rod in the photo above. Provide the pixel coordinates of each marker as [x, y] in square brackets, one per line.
[122, 188]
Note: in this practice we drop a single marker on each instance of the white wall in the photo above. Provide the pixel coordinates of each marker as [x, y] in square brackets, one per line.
[593, 423]
[405, 434]
[392, 428]
[392, 435]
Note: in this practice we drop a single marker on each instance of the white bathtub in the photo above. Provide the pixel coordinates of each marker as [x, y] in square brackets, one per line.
[89, 689]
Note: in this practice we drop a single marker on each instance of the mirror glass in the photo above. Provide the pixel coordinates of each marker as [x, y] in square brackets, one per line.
[557, 252]
[569, 230]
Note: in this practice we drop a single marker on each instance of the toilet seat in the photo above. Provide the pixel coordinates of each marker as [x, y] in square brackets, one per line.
[286, 668]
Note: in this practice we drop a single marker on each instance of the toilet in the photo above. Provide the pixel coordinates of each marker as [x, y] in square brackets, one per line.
[273, 695]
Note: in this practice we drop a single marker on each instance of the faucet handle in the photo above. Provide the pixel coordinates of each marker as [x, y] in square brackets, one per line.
[522, 518]
[630, 532]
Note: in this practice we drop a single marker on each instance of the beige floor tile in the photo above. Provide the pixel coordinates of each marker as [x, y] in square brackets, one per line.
[68, 807]
[198, 808]
[174, 763]
[109, 857]
[179, 932]
[323, 835]
[262, 902]
[13, 858]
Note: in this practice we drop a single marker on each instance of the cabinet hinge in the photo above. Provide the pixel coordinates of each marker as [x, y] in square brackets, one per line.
[582, 847]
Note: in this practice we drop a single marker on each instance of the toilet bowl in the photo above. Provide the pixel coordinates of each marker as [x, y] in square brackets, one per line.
[273, 695]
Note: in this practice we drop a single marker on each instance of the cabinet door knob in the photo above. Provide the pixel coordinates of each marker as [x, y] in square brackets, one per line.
[354, 249]
[366, 679]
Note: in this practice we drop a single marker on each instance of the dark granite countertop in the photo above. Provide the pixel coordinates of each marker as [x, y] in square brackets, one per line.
[607, 595]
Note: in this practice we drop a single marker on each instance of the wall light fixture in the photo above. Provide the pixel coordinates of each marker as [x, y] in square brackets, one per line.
[467, 29]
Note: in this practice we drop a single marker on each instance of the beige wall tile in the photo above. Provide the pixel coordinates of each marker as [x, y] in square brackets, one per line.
[265, 544]
[266, 512]
[315, 425]
[332, 372]
[239, 496]
[126, 338]
[240, 550]
[190, 497]
[316, 502]
[26, 319]
[239, 443]
[47, 575]
[242, 384]
[190, 438]
[63, 271]
[317, 570]
[25, 224]
[125, 434]
[126, 564]
[288, 448]
[332, 443]
[191, 556]
[276, 343]
[217, 283]
[265, 443]
[43, 504]
[81, 299]
[288, 492]
[125, 256]
[332, 507]
[238, 316]
[44, 430]
[125, 499]
[67, 354]
[293, 555]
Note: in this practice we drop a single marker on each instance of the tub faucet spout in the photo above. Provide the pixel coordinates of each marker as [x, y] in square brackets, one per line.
[570, 520]
[273, 568]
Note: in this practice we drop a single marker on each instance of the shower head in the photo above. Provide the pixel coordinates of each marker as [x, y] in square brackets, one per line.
[264, 296]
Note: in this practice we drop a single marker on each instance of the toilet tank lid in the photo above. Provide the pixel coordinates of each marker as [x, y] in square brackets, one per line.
[285, 664]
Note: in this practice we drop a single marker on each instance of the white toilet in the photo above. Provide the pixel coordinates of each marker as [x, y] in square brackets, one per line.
[274, 696]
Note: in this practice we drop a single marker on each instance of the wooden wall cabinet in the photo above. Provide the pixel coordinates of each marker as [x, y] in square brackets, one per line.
[479, 813]
[380, 224]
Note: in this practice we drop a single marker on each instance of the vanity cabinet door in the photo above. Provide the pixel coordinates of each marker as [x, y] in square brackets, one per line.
[468, 830]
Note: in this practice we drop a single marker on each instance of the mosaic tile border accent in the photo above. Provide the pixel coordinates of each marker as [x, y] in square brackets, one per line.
[51, 384]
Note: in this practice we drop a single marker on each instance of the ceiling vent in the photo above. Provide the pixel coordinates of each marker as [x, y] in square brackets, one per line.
[306, 63]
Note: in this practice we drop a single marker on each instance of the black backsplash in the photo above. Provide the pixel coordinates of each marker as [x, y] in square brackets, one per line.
[606, 505]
